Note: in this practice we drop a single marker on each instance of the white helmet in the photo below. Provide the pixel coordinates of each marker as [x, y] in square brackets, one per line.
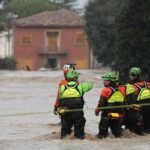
[67, 67]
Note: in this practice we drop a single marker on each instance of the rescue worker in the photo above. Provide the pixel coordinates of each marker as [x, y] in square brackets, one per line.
[142, 95]
[111, 95]
[66, 69]
[71, 97]
[130, 112]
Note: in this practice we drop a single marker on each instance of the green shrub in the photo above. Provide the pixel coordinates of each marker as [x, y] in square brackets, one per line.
[8, 63]
[47, 65]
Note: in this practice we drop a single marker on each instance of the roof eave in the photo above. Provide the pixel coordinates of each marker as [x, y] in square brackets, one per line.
[49, 26]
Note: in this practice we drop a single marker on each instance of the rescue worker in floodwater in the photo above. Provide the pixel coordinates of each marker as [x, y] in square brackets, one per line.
[71, 97]
[111, 95]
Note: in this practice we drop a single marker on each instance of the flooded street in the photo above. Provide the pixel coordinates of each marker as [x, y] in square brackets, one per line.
[27, 121]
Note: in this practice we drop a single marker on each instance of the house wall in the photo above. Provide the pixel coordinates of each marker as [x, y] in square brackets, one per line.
[27, 54]
[76, 53]
[5, 45]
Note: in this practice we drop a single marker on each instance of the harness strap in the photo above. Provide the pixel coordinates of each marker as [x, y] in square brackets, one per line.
[138, 86]
[74, 86]
[113, 89]
[145, 84]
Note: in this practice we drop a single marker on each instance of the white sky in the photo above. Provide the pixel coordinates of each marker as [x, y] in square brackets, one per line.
[82, 3]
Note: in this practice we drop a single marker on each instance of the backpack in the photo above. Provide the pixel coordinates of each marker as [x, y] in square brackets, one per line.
[144, 92]
[116, 97]
[129, 89]
[71, 91]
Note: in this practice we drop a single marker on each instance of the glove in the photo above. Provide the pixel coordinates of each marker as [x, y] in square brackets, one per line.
[136, 107]
[62, 111]
[97, 111]
[55, 111]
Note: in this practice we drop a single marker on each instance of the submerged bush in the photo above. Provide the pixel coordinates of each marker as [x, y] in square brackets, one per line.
[8, 63]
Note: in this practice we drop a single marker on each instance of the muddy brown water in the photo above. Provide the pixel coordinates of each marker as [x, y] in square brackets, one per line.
[31, 92]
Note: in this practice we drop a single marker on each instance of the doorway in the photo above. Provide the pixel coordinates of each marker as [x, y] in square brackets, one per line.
[52, 63]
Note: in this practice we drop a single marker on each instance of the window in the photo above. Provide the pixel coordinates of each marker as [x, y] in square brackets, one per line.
[80, 39]
[26, 39]
[52, 40]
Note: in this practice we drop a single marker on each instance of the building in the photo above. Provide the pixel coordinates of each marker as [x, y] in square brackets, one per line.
[6, 44]
[51, 38]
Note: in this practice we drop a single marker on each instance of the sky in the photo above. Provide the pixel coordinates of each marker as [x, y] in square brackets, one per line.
[82, 3]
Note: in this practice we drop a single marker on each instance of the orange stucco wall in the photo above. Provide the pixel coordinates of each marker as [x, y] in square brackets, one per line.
[67, 40]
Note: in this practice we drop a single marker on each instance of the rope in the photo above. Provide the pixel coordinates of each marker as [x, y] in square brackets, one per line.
[66, 110]
[123, 106]
[24, 114]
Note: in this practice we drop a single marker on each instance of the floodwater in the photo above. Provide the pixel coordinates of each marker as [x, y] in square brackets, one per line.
[27, 121]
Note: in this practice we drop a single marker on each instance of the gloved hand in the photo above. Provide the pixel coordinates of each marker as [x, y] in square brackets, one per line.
[55, 111]
[136, 107]
[97, 111]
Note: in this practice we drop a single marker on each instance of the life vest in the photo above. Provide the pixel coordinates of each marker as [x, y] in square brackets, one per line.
[144, 92]
[116, 97]
[71, 91]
